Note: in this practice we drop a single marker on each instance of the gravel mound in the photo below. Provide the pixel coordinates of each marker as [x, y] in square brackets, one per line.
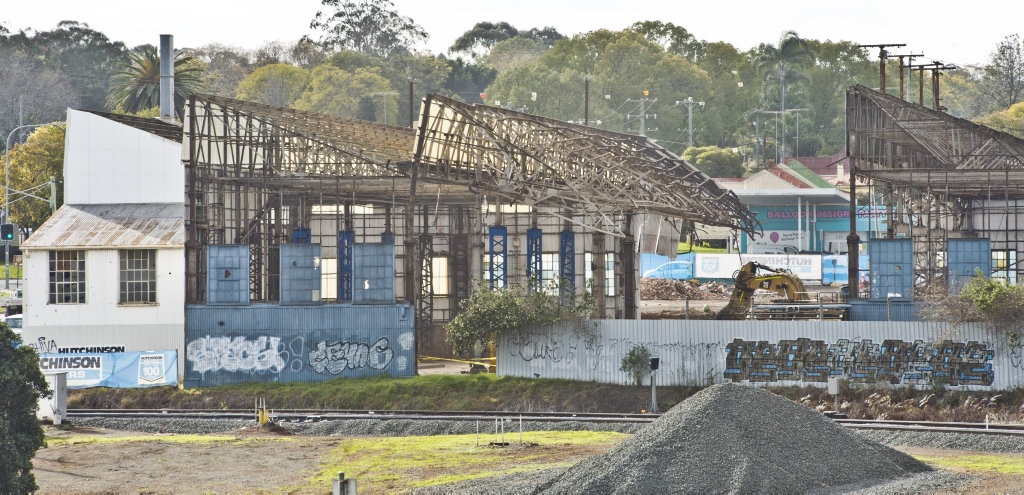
[737, 439]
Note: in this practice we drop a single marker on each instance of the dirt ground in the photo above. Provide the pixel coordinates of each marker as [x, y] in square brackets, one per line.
[258, 461]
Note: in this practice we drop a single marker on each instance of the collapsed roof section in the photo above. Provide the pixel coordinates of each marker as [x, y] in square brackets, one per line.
[525, 159]
[908, 145]
[463, 152]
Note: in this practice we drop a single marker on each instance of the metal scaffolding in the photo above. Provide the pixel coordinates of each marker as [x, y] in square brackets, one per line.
[941, 177]
[259, 175]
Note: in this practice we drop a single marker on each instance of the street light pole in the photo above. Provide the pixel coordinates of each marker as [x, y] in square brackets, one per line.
[7, 196]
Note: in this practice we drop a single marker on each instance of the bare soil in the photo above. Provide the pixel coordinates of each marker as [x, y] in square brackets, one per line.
[260, 462]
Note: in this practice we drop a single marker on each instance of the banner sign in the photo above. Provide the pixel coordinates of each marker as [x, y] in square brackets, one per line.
[114, 369]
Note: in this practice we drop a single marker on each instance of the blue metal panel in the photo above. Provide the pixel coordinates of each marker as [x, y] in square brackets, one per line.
[301, 236]
[346, 239]
[892, 268]
[271, 343]
[373, 273]
[966, 258]
[497, 249]
[227, 274]
[300, 274]
[534, 264]
[566, 265]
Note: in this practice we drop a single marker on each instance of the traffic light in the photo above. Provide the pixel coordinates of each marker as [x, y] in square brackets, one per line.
[7, 231]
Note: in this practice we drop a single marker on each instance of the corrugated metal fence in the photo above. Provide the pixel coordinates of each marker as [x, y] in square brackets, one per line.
[772, 352]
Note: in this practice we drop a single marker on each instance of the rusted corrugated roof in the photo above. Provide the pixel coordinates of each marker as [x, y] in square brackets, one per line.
[155, 126]
[111, 226]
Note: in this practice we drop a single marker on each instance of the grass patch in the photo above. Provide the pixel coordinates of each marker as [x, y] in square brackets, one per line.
[428, 461]
[685, 247]
[978, 463]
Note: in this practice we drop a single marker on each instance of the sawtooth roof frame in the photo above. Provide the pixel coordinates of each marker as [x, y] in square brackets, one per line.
[460, 151]
[531, 160]
[910, 146]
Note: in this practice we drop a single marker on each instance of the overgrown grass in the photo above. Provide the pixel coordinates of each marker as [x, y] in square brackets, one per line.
[685, 247]
[428, 461]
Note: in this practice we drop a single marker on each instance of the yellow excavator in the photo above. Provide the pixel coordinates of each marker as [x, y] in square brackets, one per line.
[797, 302]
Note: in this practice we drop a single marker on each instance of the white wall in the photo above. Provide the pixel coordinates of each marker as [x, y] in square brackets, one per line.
[106, 162]
[101, 321]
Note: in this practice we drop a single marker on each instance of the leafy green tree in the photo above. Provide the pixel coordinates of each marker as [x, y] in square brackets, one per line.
[22, 384]
[478, 41]
[136, 85]
[86, 58]
[362, 94]
[466, 80]
[1002, 79]
[225, 67]
[514, 52]
[373, 27]
[1010, 121]
[960, 93]
[674, 39]
[32, 166]
[820, 125]
[488, 315]
[715, 161]
[275, 84]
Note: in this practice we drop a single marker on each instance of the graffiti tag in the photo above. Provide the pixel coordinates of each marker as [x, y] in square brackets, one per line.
[335, 358]
[235, 354]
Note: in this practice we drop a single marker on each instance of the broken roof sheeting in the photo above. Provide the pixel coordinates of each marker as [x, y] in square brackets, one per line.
[538, 161]
[135, 226]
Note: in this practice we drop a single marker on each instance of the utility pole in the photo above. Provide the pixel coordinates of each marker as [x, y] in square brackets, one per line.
[643, 111]
[883, 54]
[910, 60]
[689, 103]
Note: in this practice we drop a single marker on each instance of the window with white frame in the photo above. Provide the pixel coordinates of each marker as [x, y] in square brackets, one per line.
[67, 277]
[137, 276]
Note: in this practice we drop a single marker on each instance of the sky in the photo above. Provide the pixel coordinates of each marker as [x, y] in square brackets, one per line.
[958, 33]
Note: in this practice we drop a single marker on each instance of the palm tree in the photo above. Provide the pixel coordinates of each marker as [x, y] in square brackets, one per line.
[779, 63]
[136, 86]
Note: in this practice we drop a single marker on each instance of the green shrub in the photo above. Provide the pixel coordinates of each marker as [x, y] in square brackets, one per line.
[637, 363]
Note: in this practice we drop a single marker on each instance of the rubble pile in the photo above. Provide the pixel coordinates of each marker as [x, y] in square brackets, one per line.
[667, 289]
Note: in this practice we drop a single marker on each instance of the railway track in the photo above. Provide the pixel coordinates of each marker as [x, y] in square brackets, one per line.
[310, 415]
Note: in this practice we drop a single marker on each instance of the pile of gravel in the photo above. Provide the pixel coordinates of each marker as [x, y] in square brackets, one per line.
[737, 439]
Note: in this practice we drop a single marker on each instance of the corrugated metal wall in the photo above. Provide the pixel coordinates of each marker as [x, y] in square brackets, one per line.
[777, 352]
[270, 343]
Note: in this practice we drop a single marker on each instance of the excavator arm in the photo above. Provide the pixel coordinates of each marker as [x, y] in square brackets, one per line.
[752, 276]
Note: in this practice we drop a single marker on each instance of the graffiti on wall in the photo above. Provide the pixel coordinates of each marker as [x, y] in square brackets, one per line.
[267, 354]
[892, 361]
[336, 357]
[236, 354]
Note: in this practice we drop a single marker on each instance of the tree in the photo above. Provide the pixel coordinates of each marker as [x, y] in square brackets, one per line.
[674, 39]
[1010, 121]
[1002, 79]
[715, 161]
[32, 166]
[136, 85]
[780, 63]
[225, 68]
[488, 315]
[30, 93]
[362, 94]
[514, 52]
[637, 364]
[276, 84]
[21, 435]
[373, 27]
[85, 58]
[478, 41]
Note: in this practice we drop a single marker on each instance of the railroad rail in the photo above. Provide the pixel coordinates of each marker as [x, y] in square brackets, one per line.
[293, 415]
